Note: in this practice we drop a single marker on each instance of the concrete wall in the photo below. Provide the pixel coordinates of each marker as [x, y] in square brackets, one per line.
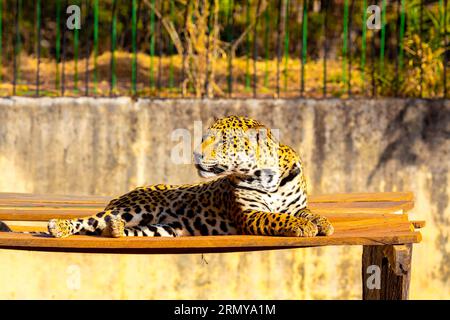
[108, 146]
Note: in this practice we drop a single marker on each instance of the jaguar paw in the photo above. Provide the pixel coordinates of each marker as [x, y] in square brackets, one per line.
[325, 227]
[301, 228]
[117, 227]
[59, 228]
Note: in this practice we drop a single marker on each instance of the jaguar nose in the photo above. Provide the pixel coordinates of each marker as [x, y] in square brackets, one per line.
[197, 157]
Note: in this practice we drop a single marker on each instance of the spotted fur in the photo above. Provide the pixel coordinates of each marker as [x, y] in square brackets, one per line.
[257, 188]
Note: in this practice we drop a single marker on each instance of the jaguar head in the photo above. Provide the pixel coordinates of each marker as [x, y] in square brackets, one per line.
[239, 146]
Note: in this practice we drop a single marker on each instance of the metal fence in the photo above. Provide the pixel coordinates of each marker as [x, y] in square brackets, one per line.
[226, 48]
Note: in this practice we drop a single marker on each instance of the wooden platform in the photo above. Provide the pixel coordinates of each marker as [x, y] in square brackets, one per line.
[358, 218]
[377, 221]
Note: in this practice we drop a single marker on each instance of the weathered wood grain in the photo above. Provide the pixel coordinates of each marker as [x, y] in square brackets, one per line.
[195, 244]
[29, 207]
[394, 262]
[102, 200]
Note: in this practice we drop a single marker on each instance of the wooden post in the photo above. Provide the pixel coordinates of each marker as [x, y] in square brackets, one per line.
[386, 272]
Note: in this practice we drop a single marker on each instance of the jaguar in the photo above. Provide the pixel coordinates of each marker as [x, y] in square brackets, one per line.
[254, 186]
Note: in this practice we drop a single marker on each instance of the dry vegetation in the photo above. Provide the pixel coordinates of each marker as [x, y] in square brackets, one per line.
[265, 72]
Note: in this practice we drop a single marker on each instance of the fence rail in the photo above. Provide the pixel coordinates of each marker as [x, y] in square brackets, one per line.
[224, 48]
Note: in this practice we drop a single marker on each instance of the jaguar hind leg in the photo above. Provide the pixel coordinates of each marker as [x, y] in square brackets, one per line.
[60, 228]
[119, 229]
[92, 225]
[116, 227]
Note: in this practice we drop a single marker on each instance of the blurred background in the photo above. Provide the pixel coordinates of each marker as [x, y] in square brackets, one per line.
[224, 48]
[91, 111]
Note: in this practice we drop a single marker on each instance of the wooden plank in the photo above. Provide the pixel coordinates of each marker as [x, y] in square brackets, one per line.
[331, 211]
[16, 228]
[6, 198]
[9, 240]
[391, 205]
[388, 206]
[391, 222]
[50, 213]
[359, 219]
[363, 197]
[53, 198]
[419, 224]
[392, 278]
[33, 207]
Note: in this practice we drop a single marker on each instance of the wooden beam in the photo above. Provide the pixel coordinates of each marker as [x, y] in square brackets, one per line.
[386, 272]
[102, 200]
[363, 197]
[419, 224]
[10, 240]
[347, 210]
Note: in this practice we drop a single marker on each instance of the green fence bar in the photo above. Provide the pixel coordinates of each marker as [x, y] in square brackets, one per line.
[266, 44]
[247, 51]
[38, 43]
[286, 46]
[17, 46]
[95, 46]
[255, 48]
[58, 43]
[170, 46]
[325, 48]
[304, 45]
[208, 46]
[160, 46]
[230, 21]
[113, 79]
[401, 35]
[63, 55]
[344, 44]
[364, 45]
[444, 56]
[134, 45]
[372, 70]
[383, 37]
[280, 23]
[1, 40]
[350, 22]
[421, 47]
[152, 45]
[87, 34]
[75, 55]
[397, 27]
[186, 19]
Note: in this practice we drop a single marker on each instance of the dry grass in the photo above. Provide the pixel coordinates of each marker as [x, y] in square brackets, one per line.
[289, 81]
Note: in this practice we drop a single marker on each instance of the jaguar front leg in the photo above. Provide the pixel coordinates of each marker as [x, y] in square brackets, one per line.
[254, 222]
[324, 226]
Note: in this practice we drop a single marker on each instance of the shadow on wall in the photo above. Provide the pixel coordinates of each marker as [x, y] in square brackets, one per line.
[415, 136]
[420, 136]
